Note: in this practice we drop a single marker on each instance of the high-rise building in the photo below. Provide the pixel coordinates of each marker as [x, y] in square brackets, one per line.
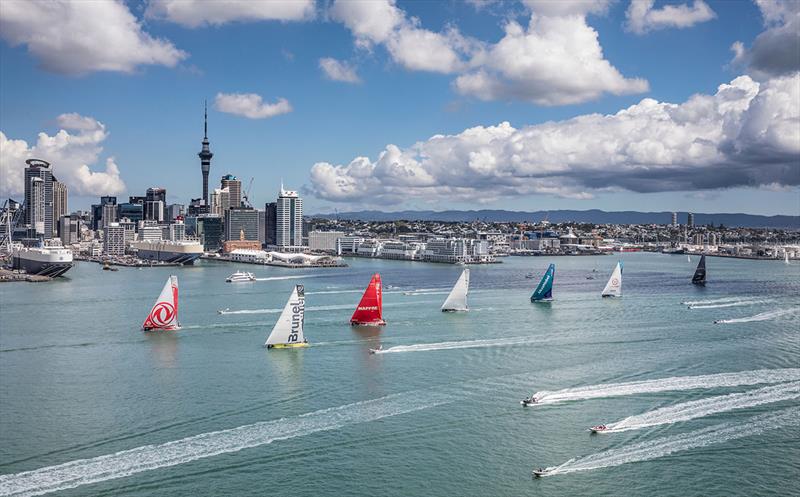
[205, 157]
[241, 222]
[70, 229]
[234, 186]
[270, 223]
[132, 211]
[114, 239]
[174, 212]
[39, 197]
[674, 219]
[59, 203]
[155, 204]
[262, 227]
[220, 201]
[97, 211]
[209, 229]
[289, 219]
[177, 231]
[690, 220]
[108, 215]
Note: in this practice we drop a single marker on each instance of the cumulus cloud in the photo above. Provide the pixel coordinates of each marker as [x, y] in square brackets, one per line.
[337, 70]
[556, 60]
[250, 105]
[72, 151]
[641, 17]
[776, 51]
[195, 13]
[81, 37]
[746, 134]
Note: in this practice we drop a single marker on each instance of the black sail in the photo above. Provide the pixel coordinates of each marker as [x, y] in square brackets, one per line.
[699, 277]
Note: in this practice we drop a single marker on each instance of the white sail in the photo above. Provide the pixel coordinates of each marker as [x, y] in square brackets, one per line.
[164, 314]
[689, 258]
[457, 300]
[288, 331]
[614, 286]
[786, 257]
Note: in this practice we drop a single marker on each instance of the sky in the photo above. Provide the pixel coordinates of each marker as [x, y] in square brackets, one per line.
[391, 105]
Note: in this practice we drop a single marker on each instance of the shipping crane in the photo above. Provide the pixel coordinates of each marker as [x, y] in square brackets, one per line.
[246, 194]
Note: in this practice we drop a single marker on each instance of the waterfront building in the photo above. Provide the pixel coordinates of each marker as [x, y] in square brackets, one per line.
[131, 211]
[97, 211]
[241, 220]
[674, 219]
[324, 240]
[174, 212]
[289, 219]
[114, 239]
[271, 223]
[210, 230]
[229, 246]
[262, 227]
[150, 233]
[712, 239]
[348, 244]
[177, 231]
[205, 157]
[70, 229]
[39, 197]
[234, 187]
[109, 214]
[130, 228]
[59, 204]
[690, 220]
[698, 239]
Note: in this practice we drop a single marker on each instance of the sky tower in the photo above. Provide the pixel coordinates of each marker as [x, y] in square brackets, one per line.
[205, 156]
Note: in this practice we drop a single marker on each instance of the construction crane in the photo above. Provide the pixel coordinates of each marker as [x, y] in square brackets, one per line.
[246, 194]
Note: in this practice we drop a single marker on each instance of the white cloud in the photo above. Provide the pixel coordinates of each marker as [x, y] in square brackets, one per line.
[81, 37]
[337, 70]
[195, 13]
[71, 155]
[746, 134]
[774, 51]
[642, 17]
[371, 21]
[250, 105]
[555, 61]
[560, 8]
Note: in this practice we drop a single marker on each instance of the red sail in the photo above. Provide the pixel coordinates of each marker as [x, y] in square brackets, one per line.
[370, 309]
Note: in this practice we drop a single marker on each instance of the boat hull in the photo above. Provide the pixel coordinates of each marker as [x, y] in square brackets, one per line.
[369, 323]
[172, 257]
[288, 345]
[40, 268]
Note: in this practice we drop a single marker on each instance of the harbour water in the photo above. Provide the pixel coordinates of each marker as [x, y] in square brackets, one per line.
[90, 405]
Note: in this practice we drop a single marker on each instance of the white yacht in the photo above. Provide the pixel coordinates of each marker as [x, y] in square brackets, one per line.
[240, 276]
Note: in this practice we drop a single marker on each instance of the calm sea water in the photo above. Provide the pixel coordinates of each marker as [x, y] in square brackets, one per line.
[92, 406]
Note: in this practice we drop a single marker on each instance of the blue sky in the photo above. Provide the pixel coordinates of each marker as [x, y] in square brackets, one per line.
[151, 110]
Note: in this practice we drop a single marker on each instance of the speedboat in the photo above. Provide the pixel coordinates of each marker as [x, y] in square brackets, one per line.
[529, 402]
[375, 351]
[538, 473]
[598, 428]
[223, 311]
[240, 276]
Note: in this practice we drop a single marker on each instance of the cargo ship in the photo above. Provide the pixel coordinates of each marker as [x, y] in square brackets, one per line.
[48, 259]
[173, 252]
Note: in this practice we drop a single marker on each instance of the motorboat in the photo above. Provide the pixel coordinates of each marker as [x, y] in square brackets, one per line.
[223, 311]
[539, 472]
[529, 402]
[598, 428]
[375, 351]
[239, 277]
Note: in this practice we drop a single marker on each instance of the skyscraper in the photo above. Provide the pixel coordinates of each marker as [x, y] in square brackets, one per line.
[234, 186]
[154, 204]
[674, 219]
[289, 219]
[241, 221]
[270, 223]
[220, 201]
[690, 220]
[39, 197]
[205, 157]
[59, 203]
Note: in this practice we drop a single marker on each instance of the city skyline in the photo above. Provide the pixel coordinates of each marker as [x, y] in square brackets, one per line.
[369, 116]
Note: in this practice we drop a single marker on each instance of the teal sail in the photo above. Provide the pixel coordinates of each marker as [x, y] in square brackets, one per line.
[544, 291]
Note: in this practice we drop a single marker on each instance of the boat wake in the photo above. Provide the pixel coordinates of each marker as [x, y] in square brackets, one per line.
[717, 301]
[764, 316]
[461, 344]
[756, 377]
[726, 304]
[292, 277]
[708, 406]
[149, 457]
[317, 308]
[654, 449]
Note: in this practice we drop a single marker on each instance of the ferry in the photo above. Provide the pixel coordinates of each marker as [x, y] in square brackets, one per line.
[174, 252]
[240, 276]
[49, 259]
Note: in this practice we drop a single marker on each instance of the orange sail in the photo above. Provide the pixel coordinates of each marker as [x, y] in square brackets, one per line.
[370, 309]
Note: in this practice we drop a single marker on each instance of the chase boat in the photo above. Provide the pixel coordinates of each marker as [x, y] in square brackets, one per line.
[538, 473]
[598, 428]
[529, 401]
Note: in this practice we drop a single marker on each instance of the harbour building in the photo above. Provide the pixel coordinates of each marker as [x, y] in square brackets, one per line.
[39, 197]
[289, 220]
[240, 220]
[690, 220]
[59, 204]
[114, 239]
[270, 223]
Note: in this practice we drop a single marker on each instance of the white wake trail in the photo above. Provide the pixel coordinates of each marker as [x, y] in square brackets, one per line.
[665, 446]
[149, 457]
[317, 308]
[708, 406]
[719, 380]
[292, 277]
[462, 344]
[727, 304]
[764, 316]
[717, 301]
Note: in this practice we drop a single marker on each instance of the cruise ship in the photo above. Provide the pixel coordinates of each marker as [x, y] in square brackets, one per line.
[49, 259]
[175, 252]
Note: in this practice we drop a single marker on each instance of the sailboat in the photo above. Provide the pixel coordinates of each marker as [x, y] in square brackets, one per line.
[370, 310]
[614, 286]
[457, 300]
[699, 277]
[288, 330]
[164, 314]
[786, 258]
[544, 291]
[688, 258]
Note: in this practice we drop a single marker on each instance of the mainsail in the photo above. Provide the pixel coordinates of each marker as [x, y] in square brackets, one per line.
[544, 291]
[699, 277]
[164, 314]
[457, 300]
[288, 331]
[614, 286]
[786, 258]
[370, 309]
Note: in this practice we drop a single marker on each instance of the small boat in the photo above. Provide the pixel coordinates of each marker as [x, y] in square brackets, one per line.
[530, 276]
[529, 401]
[288, 330]
[457, 300]
[614, 286]
[375, 351]
[239, 277]
[106, 266]
[369, 312]
[589, 277]
[699, 277]
[539, 472]
[223, 311]
[544, 290]
[598, 428]
[164, 314]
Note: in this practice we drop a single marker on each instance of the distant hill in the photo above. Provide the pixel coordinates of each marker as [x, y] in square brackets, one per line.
[559, 216]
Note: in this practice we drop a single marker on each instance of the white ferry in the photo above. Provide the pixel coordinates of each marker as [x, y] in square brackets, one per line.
[240, 276]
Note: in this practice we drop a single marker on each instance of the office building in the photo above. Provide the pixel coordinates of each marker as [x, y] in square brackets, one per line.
[262, 227]
[220, 201]
[39, 197]
[155, 204]
[97, 211]
[690, 220]
[70, 229]
[205, 158]
[108, 214]
[177, 231]
[114, 239]
[289, 219]
[209, 229]
[174, 212]
[59, 203]
[674, 219]
[241, 224]
[150, 233]
[324, 240]
[270, 223]
[132, 211]
[234, 187]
